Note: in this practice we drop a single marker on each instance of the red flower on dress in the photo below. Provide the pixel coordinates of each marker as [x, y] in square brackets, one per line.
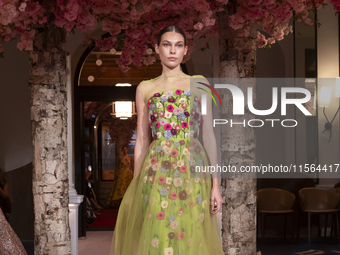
[173, 195]
[161, 215]
[178, 128]
[153, 161]
[174, 153]
[183, 169]
[180, 212]
[180, 235]
[161, 113]
[184, 106]
[168, 187]
[161, 180]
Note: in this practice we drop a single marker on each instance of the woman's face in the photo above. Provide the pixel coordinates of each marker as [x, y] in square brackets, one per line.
[171, 49]
[125, 150]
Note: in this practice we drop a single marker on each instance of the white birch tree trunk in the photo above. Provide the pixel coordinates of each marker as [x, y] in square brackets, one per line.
[49, 130]
[237, 60]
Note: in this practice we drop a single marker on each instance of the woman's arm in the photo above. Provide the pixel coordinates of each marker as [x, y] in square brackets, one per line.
[4, 191]
[142, 140]
[209, 142]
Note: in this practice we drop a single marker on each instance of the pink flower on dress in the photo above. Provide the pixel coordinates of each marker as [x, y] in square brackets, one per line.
[167, 126]
[184, 106]
[178, 92]
[191, 122]
[183, 169]
[161, 180]
[161, 215]
[157, 124]
[170, 108]
[180, 235]
[173, 195]
[184, 124]
[174, 153]
[153, 160]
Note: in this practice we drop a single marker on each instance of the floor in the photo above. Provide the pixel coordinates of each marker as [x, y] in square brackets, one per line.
[96, 242]
[99, 243]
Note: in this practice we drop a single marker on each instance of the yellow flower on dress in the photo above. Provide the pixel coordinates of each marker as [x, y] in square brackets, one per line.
[178, 182]
[159, 134]
[150, 215]
[164, 204]
[202, 217]
[152, 152]
[169, 251]
[185, 151]
[145, 178]
[168, 115]
[167, 150]
[188, 190]
[168, 180]
[155, 166]
[154, 243]
[174, 224]
[153, 201]
[190, 242]
[180, 162]
[163, 143]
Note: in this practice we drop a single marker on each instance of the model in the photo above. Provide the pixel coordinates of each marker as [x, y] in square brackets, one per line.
[169, 208]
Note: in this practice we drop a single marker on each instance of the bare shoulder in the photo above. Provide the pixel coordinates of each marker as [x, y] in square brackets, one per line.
[200, 82]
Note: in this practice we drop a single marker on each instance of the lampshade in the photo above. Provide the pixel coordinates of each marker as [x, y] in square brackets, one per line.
[337, 87]
[123, 109]
[325, 96]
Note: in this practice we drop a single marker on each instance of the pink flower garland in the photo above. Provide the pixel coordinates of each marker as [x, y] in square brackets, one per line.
[141, 20]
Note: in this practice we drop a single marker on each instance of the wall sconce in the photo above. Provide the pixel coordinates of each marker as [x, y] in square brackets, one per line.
[123, 109]
[325, 98]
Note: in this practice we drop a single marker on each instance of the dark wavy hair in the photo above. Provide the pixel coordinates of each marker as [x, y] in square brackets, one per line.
[171, 28]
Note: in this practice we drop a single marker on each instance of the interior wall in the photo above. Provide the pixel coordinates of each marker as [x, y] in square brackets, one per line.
[15, 141]
[328, 69]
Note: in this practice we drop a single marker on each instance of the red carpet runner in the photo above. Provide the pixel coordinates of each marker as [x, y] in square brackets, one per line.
[106, 218]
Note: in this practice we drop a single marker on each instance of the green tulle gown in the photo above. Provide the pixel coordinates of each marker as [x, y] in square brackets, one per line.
[166, 208]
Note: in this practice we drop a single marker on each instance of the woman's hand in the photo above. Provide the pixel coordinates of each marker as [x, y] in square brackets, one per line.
[215, 196]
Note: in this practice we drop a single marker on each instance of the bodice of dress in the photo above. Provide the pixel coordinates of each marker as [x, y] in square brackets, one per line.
[174, 114]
